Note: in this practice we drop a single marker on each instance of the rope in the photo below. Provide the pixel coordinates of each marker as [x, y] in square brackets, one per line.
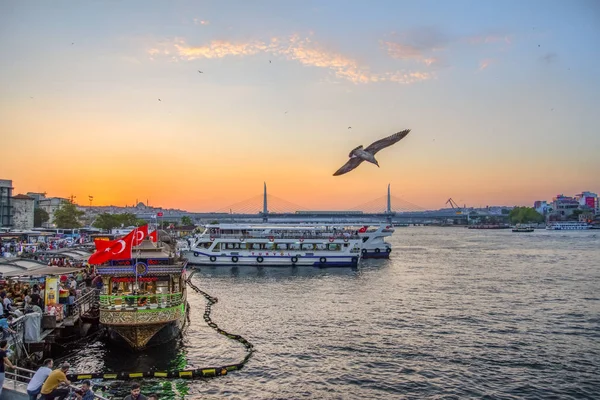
[192, 373]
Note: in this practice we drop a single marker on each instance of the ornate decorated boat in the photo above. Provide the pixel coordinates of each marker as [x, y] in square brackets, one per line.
[143, 299]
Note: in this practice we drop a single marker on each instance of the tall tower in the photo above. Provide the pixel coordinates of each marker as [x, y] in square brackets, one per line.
[265, 211]
[388, 210]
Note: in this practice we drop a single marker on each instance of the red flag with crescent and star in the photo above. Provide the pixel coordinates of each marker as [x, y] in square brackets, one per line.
[119, 249]
[363, 229]
[154, 236]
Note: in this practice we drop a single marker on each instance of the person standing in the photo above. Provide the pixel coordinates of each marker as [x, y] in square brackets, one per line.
[5, 362]
[35, 384]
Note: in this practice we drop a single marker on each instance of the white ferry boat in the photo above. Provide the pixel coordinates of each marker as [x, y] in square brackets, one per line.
[263, 245]
[568, 226]
[373, 241]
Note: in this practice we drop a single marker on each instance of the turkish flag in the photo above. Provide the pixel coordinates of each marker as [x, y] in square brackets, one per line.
[154, 236]
[140, 234]
[363, 229]
[119, 249]
[101, 244]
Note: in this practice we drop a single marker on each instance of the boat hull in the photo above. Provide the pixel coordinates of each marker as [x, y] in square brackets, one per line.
[376, 254]
[142, 337]
[139, 330]
[316, 260]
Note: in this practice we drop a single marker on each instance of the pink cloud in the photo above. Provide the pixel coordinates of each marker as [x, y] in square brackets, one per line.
[294, 48]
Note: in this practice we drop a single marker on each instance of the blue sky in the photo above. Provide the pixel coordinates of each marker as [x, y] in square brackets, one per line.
[501, 97]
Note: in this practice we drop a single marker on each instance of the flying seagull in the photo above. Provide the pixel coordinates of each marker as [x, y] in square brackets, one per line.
[200, 72]
[349, 127]
[358, 155]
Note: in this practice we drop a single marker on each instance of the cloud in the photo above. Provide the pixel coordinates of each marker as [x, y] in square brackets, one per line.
[294, 48]
[549, 58]
[417, 45]
[198, 21]
[483, 64]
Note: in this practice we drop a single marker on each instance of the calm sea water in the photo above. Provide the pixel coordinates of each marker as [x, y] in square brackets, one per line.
[455, 313]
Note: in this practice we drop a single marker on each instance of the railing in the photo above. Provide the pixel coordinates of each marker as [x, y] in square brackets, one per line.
[144, 301]
[278, 235]
[15, 376]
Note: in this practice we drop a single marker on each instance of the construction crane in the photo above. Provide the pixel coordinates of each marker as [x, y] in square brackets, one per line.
[454, 206]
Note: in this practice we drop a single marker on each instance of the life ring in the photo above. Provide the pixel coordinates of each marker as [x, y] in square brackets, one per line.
[271, 238]
[346, 239]
[234, 259]
[301, 240]
[331, 239]
[322, 260]
[242, 239]
[213, 258]
[354, 260]
[377, 250]
[259, 259]
[212, 239]
[388, 250]
[294, 260]
[196, 254]
[364, 251]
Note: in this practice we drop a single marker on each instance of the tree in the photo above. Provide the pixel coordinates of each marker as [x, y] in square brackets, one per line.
[39, 217]
[110, 221]
[106, 221]
[186, 221]
[520, 215]
[67, 216]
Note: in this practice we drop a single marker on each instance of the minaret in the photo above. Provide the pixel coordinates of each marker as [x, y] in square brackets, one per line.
[265, 211]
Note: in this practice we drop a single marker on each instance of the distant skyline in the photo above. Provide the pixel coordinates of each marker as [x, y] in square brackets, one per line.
[501, 100]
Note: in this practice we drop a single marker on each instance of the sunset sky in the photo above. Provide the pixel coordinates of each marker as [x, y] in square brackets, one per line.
[503, 99]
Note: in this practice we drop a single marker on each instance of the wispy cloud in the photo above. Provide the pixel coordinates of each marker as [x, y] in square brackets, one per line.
[294, 48]
[483, 64]
[417, 45]
[198, 21]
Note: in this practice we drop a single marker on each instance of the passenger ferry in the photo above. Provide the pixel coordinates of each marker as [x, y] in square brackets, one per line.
[143, 300]
[568, 226]
[277, 245]
[373, 241]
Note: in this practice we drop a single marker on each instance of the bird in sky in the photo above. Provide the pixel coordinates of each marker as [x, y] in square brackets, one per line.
[358, 155]
[200, 72]
[349, 127]
[159, 100]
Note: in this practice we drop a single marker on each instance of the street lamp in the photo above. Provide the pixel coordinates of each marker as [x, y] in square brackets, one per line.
[91, 198]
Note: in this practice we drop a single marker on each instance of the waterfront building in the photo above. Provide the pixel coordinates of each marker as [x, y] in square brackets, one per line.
[588, 200]
[23, 212]
[564, 206]
[50, 205]
[542, 207]
[36, 198]
[6, 212]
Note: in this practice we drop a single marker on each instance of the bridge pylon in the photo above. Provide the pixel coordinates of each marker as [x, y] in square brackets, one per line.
[265, 211]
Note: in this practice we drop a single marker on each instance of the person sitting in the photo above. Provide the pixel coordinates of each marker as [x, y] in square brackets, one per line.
[50, 388]
[35, 384]
[85, 393]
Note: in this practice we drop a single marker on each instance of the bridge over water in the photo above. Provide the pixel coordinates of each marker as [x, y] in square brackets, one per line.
[387, 208]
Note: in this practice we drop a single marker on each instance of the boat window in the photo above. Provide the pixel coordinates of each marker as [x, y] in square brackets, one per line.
[307, 246]
[217, 247]
[162, 286]
[334, 247]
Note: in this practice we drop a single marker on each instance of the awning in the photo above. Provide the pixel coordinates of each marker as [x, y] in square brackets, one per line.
[48, 270]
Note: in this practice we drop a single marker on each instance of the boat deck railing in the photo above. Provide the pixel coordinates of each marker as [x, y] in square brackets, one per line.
[142, 301]
[17, 379]
[294, 236]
